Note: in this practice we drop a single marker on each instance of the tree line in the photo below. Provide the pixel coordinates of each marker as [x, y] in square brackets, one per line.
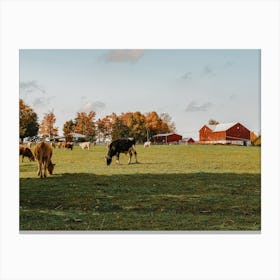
[130, 124]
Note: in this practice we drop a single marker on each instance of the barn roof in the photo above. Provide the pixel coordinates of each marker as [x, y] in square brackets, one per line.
[78, 135]
[221, 126]
[165, 134]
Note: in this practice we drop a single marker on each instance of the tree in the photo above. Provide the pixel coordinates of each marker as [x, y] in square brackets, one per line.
[28, 121]
[84, 124]
[139, 126]
[155, 124]
[166, 118]
[135, 122]
[213, 122]
[47, 128]
[119, 129]
[105, 126]
[68, 128]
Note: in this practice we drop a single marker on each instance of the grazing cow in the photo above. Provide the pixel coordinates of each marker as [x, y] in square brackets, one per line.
[85, 145]
[53, 144]
[29, 145]
[43, 153]
[121, 146]
[69, 145]
[25, 152]
[61, 144]
[147, 144]
[58, 145]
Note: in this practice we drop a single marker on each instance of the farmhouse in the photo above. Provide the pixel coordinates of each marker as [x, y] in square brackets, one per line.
[225, 133]
[167, 138]
[76, 137]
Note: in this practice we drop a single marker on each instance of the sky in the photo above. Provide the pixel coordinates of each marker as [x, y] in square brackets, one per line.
[192, 86]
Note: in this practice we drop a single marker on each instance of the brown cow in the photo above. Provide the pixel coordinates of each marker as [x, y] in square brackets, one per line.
[69, 145]
[25, 152]
[29, 145]
[43, 153]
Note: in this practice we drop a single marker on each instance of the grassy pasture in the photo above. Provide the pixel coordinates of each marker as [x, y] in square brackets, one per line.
[180, 187]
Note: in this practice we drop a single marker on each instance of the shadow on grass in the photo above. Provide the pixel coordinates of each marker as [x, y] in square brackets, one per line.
[195, 201]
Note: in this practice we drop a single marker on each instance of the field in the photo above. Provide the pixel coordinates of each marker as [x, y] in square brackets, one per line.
[178, 187]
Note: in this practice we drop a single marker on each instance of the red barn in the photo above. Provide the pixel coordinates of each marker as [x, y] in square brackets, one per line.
[187, 140]
[225, 133]
[167, 138]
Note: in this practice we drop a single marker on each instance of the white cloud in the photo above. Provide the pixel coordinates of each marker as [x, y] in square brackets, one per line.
[42, 101]
[228, 64]
[92, 106]
[194, 107]
[187, 76]
[208, 71]
[31, 86]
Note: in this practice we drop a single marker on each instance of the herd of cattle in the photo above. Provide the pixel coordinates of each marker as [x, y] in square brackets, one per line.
[43, 152]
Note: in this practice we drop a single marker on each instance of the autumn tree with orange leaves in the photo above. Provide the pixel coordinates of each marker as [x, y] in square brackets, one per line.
[84, 124]
[68, 128]
[156, 124]
[105, 126]
[47, 128]
[139, 126]
[135, 123]
[28, 121]
[131, 124]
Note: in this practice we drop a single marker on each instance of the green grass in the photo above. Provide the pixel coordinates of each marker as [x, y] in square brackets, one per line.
[180, 187]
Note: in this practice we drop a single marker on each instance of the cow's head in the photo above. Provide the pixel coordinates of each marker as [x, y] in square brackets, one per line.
[32, 157]
[51, 167]
[108, 160]
[29, 154]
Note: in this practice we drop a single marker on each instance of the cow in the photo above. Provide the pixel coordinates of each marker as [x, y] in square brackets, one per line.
[121, 146]
[53, 144]
[85, 145]
[69, 145]
[26, 152]
[147, 144]
[29, 145]
[43, 153]
[59, 145]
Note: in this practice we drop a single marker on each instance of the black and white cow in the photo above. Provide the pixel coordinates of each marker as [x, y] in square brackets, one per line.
[121, 146]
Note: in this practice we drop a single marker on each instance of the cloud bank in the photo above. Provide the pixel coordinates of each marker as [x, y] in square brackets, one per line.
[42, 101]
[31, 86]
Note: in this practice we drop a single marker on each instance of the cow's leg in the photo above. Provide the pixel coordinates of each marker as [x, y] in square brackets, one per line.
[135, 154]
[22, 158]
[118, 158]
[39, 169]
[130, 156]
[45, 168]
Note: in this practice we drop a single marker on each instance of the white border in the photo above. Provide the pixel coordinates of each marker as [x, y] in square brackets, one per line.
[156, 24]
